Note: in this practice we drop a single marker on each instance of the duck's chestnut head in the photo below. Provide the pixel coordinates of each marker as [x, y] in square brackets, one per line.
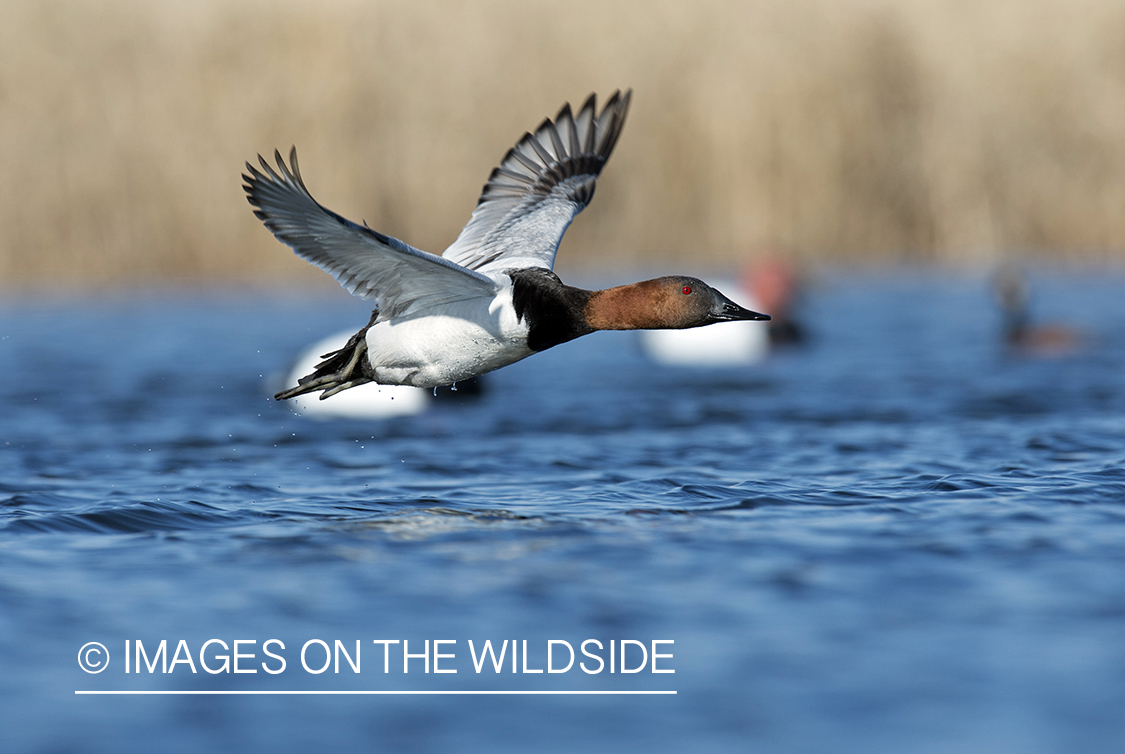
[668, 303]
[689, 302]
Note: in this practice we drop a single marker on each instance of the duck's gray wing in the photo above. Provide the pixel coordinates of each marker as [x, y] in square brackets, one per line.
[540, 185]
[368, 264]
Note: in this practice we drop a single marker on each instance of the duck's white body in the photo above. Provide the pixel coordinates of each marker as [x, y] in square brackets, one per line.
[491, 298]
[462, 340]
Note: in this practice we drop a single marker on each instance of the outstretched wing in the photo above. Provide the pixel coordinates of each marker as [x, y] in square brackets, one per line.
[541, 184]
[370, 265]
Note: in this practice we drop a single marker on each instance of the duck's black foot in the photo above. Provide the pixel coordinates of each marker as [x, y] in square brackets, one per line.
[339, 371]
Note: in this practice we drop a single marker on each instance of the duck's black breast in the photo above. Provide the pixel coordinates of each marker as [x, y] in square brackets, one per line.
[554, 312]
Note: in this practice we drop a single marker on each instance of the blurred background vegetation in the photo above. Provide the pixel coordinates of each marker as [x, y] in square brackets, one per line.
[839, 131]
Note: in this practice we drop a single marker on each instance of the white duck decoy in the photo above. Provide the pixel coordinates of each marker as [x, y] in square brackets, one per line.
[368, 401]
[491, 299]
[724, 344]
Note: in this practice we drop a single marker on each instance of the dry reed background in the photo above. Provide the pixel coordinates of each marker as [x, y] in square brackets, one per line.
[867, 130]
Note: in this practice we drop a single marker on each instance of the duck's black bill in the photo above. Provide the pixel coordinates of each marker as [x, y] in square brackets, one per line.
[729, 311]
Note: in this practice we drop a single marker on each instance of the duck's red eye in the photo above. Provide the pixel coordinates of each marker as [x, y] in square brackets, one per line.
[687, 290]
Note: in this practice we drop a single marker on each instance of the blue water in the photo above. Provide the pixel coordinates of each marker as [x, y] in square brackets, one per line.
[899, 538]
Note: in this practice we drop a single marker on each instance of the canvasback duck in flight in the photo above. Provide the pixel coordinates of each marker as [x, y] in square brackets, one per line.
[491, 299]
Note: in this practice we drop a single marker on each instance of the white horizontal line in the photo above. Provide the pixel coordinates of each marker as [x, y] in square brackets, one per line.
[391, 693]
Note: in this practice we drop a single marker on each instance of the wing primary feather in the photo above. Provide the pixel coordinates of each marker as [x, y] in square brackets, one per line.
[571, 131]
[296, 167]
[268, 169]
[556, 142]
[618, 108]
[584, 123]
[525, 159]
[544, 155]
[507, 173]
[288, 176]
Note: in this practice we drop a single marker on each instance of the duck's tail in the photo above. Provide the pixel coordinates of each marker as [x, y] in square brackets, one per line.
[339, 371]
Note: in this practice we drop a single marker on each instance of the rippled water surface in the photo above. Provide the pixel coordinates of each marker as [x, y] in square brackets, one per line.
[899, 538]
